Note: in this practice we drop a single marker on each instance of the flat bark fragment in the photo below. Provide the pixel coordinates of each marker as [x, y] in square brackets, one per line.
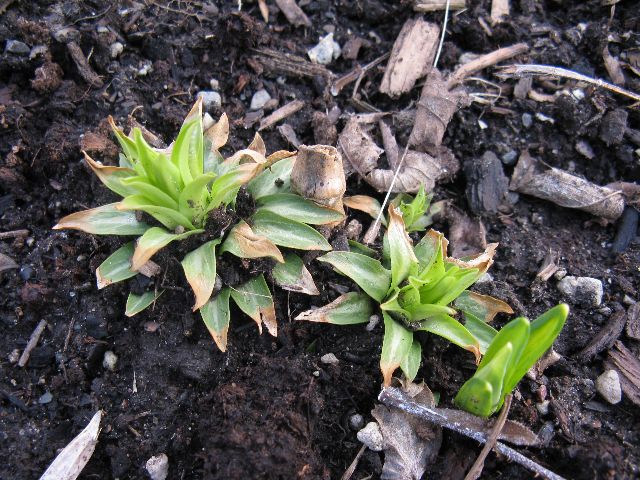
[487, 184]
[280, 114]
[435, 5]
[628, 368]
[411, 57]
[633, 321]
[605, 337]
[566, 190]
[294, 13]
[290, 64]
[84, 69]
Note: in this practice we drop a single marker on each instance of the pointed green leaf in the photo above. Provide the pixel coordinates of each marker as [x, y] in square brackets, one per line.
[111, 177]
[117, 267]
[452, 330]
[168, 217]
[224, 188]
[348, 309]
[411, 362]
[403, 259]
[155, 196]
[357, 247]
[483, 332]
[104, 220]
[367, 272]
[153, 240]
[216, 317]
[128, 145]
[288, 233]
[396, 345]
[182, 150]
[296, 208]
[200, 269]
[254, 299]
[275, 179]
[431, 252]
[137, 303]
[484, 307]
[194, 198]
[516, 332]
[293, 275]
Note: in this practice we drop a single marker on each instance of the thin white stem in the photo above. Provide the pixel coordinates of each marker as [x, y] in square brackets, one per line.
[444, 32]
[393, 182]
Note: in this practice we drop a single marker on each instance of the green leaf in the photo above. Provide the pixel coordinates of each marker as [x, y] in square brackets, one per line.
[112, 177]
[137, 303]
[104, 220]
[142, 188]
[216, 317]
[431, 252]
[200, 269]
[128, 146]
[292, 275]
[146, 156]
[296, 208]
[224, 188]
[168, 217]
[153, 240]
[542, 333]
[275, 179]
[254, 299]
[396, 345]
[185, 147]
[194, 198]
[484, 307]
[348, 309]
[357, 247]
[411, 362]
[288, 233]
[452, 330]
[117, 267]
[516, 332]
[481, 394]
[368, 273]
[413, 213]
[483, 332]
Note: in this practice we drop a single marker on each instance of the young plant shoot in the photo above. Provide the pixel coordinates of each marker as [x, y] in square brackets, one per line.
[179, 187]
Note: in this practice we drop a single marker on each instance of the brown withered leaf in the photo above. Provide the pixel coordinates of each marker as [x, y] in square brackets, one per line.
[258, 145]
[467, 235]
[366, 204]
[218, 133]
[243, 242]
[435, 109]
[359, 150]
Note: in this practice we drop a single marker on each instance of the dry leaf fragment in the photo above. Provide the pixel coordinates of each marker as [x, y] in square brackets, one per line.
[318, 175]
[73, 458]
[245, 243]
[294, 13]
[7, 263]
[358, 147]
[613, 67]
[411, 57]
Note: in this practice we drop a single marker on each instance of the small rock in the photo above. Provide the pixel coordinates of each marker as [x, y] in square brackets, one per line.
[356, 421]
[608, 385]
[17, 48]
[158, 467]
[373, 321]
[215, 84]
[371, 436]
[527, 120]
[45, 398]
[329, 359]
[584, 149]
[145, 69]
[110, 360]
[210, 99]
[560, 274]
[484, 278]
[259, 99]
[509, 158]
[325, 51]
[628, 300]
[582, 290]
[115, 49]
[66, 35]
[14, 356]
[606, 311]
[543, 407]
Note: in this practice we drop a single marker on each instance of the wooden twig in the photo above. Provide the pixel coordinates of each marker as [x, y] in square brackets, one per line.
[354, 74]
[393, 397]
[477, 467]
[281, 113]
[14, 234]
[352, 468]
[485, 61]
[31, 344]
[520, 70]
[435, 5]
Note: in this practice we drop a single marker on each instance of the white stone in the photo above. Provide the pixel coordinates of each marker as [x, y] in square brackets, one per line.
[484, 278]
[115, 49]
[373, 321]
[582, 290]
[110, 360]
[356, 421]
[215, 84]
[210, 99]
[371, 436]
[158, 467]
[259, 99]
[325, 51]
[329, 359]
[608, 385]
[543, 407]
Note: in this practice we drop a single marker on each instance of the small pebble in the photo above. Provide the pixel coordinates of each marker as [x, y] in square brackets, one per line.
[356, 421]
[608, 385]
[560, 274]
[158, 467]
[628, 300]
[329, 359]
[144, 70]
[110, 360]
[543, 118]
[259, 99]
[373, 321]
[582, 290]
[606, 311]
[66, 35]
[371, 436]
[115, 49]
[14, 356]
[26, 272]
[484, 278]
[509, 158]
[214, 83]
[325, 51]
[45, 398]
[210, 99]
[543, 407]
[316, 373]
[17, 48]
[527, 120]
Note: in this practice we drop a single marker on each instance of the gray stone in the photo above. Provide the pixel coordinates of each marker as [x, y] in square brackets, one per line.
[509, 158]
[582, 290]
[158, 467]
[356, 421]
[527, 120]
[329, 359]
[45, 398]
[17, 48]
[484, 278]
[260, 99]
[110, 360]
[325, 51]
[115, 49]
[210, 99]
[608, 385]
[66, 35]
[371, 436]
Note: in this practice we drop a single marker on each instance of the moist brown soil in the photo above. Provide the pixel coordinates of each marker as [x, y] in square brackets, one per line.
[268, 408]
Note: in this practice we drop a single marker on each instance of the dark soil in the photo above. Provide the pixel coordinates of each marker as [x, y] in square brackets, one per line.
[268, 408]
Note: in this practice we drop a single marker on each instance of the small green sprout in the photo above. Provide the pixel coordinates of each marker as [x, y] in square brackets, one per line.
[511, 353]
[413, 288]
[180, 187]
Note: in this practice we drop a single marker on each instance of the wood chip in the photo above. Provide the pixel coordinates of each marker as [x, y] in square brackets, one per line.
[633, 321]
[562, 188]
[436, 5]
[289, 134]
[84, 69]
[289, 64]
[15, 234]
[549, 266]
[281, 113]
[499, 9]
[605, 337]
[628, 368]
[613, 67]
[31, 344]
[487, 185]
[294, 13]
[411, 56]
[485, 61]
